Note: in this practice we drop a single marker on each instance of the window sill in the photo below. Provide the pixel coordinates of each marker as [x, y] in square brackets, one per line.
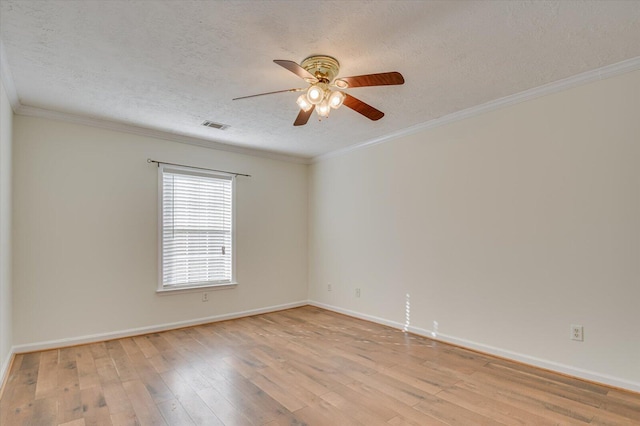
[195, 288]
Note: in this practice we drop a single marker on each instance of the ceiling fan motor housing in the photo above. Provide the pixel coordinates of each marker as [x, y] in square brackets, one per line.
[324, 68]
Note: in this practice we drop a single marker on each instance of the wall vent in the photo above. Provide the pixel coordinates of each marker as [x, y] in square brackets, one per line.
[215, 125]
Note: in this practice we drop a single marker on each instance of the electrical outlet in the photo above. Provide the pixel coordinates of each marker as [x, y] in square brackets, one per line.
[205, 297]
[357, 292]
[576, 332]
[329, 287]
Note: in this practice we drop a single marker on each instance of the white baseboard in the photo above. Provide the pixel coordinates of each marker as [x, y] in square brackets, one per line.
[92, 338]
[503, 353]
[527, 359]
[4, 368]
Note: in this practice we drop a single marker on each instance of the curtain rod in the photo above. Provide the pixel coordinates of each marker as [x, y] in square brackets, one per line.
[149, 160]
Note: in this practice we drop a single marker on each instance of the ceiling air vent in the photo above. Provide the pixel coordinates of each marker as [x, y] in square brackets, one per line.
[214, 125]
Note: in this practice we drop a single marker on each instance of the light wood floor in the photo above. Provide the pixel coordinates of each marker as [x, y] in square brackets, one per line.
[304, 366]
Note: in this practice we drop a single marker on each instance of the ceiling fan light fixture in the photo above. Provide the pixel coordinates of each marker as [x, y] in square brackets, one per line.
[304, 103]
[323, 108]
[315, 94]
[325, 91]
[336, 99]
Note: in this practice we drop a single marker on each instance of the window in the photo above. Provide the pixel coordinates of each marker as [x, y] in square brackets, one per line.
[196, 228]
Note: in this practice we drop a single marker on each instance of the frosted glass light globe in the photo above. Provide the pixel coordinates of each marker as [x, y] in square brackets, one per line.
[323, 108]
[315, 95]
[303, 103]
[335, 99]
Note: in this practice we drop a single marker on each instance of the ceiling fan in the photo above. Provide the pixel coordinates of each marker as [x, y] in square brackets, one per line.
[325, 91]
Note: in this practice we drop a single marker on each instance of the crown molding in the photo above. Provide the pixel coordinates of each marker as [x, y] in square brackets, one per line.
[608, 71]
[7, 79]
[30, 111]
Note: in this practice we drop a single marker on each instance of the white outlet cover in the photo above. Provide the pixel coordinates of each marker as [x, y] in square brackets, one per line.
[577, 333]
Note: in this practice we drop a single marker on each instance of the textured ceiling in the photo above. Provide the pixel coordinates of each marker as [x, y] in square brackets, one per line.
[169, 65]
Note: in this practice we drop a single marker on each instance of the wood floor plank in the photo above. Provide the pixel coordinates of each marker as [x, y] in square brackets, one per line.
[415, 418]
[123, 365]
[620, 395]
[174, 413]
[620, 406]
[98, 350]
[156, 387]
[94, 407]
[438, 378]
[485, 406]
[565, 406]
[358, 396]
[548, 375]
[159, 364]
[124, 419]
[408, 379]
[251, 400]
[406, 412]
[45, 411]
[87, 372]
[283, 395]
[612, 419]
[193, 376]
[323, 413]
[198, 411]
[519, 398]
[17, 404]
[266, 357]
[295, 385]
[69, 403]
[223, 409]
[146, 410]
[148, 349]
[401, 421]
[47, 374]
[30, 361]
[159, 342]
[77, 422]
[453, 414]
[117, 400]
[303, 366]
[106, 370]
[243, 365]
[554, 387]
[69, 406]
[392, 388]
[357, 411]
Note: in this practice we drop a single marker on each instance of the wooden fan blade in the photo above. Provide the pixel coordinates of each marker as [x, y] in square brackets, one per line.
[296, 69]
[365, 109]
[382, 79]
[303, 117]
[270, 93]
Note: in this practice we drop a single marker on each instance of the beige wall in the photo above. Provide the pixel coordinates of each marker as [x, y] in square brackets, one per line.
[505, 229]
[85, 232]
[6, 123]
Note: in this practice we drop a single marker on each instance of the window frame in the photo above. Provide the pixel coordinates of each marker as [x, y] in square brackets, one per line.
[162, 289]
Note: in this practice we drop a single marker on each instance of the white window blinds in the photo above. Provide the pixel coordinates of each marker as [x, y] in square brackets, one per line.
[197, 228]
